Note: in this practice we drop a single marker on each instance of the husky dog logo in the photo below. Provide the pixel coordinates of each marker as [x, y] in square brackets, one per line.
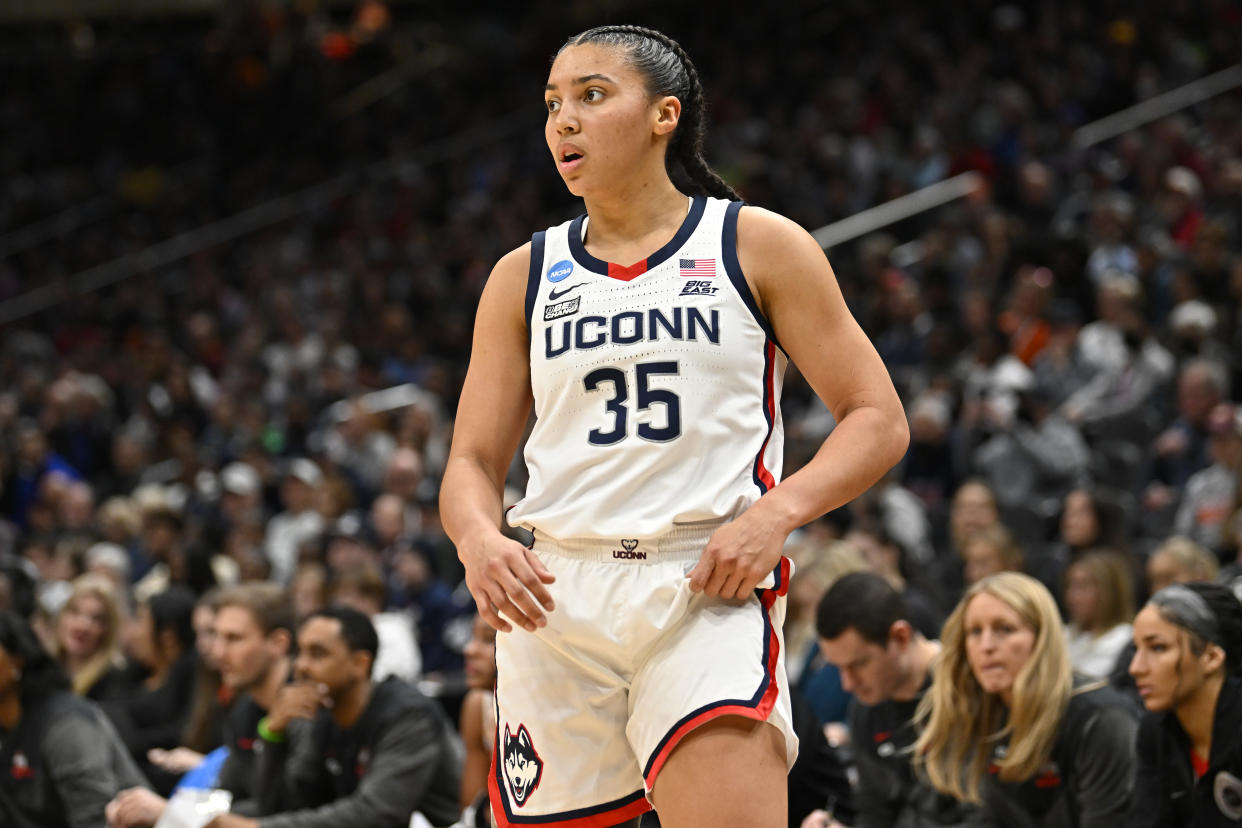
[630, 544]
[523, 767]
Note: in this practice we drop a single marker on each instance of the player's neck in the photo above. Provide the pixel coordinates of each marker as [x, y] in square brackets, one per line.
[635, 212]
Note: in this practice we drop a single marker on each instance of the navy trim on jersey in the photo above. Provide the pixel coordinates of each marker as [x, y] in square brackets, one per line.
[533, 276]
[759, 468]
[733, 267]
[753, 701]
[578, 250]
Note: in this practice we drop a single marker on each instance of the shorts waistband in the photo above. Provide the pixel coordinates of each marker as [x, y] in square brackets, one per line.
[682, 543]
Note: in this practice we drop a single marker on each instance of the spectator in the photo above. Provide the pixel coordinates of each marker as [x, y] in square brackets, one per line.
[1182, 448]
[1179, 561]
[865, 632]
[1099, 602]
[1066, 747]
[1088, 520]
[87, 639]
[35, 462]
[1210, 493]
[253, 637]
[988, 552]
[361, 588]
[477, 721]
[361, 449]
[439, 612]
[111, 562]
[886, 558]
[65, 760]
[298, 523]
[973, 509]
[816, 568]
[1188, 666]
[161, 641]
[340, 749]
[309, 588]
[209, 702]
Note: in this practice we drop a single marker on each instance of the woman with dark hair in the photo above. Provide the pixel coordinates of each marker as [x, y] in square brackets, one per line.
[161, 641]
[62, 759]
[650, 337]
[1188, 668]
[1088, 520]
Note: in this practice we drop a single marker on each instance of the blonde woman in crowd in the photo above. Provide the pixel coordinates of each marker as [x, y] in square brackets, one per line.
[1006, 724]
[1180, 561]
[87, 638]
[1099, 601]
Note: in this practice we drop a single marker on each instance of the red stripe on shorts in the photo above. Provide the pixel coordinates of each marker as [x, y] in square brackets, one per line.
[759, 712]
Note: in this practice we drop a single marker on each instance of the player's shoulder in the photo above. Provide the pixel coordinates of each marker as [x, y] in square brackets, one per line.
[517, 260]
[758, 227]
[769, 241]
[511, 271]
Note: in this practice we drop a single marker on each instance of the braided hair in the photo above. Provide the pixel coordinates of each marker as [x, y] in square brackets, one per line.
[668, 71]
[1226, 631]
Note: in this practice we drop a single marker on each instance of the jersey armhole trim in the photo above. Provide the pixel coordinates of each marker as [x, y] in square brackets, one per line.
[733, 267]
[532, 277]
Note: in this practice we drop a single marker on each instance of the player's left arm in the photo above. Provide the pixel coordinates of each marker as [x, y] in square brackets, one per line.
[798, 293]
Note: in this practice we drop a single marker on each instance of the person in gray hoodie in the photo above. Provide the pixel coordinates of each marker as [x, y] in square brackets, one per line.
[61, 760]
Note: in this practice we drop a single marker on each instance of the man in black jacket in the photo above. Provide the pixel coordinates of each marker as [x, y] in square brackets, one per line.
[865, 631]
[342, 750]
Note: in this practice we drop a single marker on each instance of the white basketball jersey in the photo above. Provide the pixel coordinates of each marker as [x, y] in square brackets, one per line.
[656, 386]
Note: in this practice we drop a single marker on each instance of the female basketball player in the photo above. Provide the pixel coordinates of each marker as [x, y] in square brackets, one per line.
[640, 653]
[1188, 667]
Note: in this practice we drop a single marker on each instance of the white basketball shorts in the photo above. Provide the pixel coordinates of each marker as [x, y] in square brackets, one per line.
[589, 707]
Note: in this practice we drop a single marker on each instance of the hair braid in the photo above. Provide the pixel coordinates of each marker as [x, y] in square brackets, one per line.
[669, 71]
[1228, 610]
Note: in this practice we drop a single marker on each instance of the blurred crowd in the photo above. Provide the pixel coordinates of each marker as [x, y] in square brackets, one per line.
[1067, 339]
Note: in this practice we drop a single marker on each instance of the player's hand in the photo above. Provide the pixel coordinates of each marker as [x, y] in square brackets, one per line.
[134, 808]
[820, 819]
[301, 700]
[506, 580]
[739, 555]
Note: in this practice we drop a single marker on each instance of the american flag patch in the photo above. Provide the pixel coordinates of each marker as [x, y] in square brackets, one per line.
[697, 268]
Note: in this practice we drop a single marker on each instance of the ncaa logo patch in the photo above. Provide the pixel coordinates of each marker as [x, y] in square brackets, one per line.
[560, 271]
[523, 767]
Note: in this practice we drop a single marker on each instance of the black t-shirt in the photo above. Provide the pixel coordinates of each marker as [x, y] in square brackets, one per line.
[241, 735]
[1089, 778]
[1167, 794]
[889, 791]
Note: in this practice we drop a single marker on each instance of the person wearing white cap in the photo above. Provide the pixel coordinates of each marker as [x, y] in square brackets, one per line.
[298, 523]
[241, 493]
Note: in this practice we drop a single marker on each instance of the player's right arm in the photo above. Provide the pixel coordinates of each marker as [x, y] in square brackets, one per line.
[505, 578]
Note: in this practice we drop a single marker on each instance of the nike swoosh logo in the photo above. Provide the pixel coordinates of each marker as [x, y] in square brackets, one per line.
[554, 294]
